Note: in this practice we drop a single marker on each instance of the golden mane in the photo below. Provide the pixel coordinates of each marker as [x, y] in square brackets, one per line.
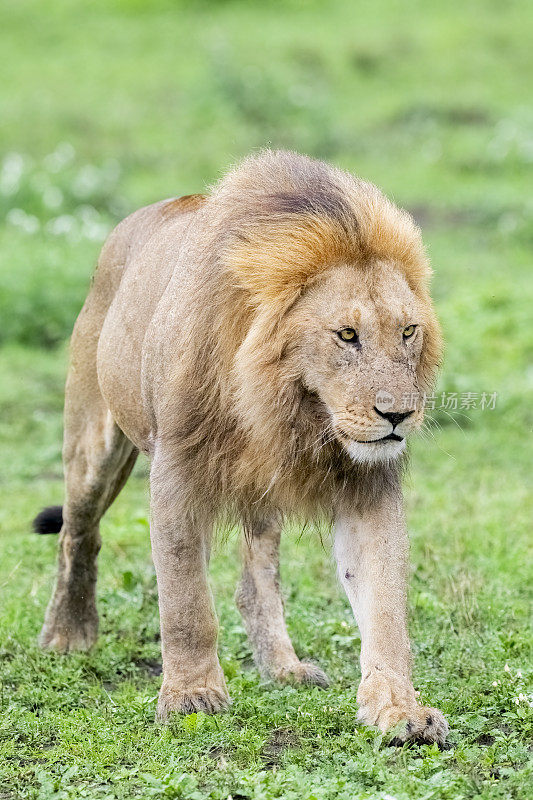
[291, 217]
[271, 227]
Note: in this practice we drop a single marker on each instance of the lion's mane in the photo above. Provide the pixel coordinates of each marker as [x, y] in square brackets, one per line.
[246, 429]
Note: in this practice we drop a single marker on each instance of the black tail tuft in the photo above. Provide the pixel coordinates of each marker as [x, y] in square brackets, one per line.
[49, 520]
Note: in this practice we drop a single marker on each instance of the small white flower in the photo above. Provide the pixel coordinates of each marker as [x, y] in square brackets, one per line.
[87, 181]
[507, 668]
[494, 683]
[20, 219]
[518, 673]
[52, 197]
[62, 225]
[62, 155]
[11, 173]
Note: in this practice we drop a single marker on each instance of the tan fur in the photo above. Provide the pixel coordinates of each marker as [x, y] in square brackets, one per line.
[209, 341]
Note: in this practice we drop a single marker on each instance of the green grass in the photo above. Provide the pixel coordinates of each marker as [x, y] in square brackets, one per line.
[108, 106]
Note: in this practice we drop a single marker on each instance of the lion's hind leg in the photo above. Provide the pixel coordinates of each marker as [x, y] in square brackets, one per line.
[98, 459]
[260, 602]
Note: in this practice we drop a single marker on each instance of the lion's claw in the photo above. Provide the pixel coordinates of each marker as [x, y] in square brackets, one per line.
[181, 700]
[422, 725]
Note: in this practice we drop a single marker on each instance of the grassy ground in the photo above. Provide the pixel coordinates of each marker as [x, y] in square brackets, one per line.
[106, 106]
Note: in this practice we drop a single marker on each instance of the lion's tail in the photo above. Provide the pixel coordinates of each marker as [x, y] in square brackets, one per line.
[49, 520]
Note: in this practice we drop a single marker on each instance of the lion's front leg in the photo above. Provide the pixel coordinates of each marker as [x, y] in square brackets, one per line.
[371, 550]
[192, 676]
[260, 602]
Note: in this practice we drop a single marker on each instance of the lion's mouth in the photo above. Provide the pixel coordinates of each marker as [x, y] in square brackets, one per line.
[361, 451]
[391, 437]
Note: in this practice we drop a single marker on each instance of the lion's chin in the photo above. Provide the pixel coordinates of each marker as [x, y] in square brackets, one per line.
[374, 452]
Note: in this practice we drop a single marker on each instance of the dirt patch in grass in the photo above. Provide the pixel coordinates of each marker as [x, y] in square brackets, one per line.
[279, 740]
[149, 667]
[485, 739]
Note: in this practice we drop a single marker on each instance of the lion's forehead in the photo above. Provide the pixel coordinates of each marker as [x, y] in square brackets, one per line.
[348, 296]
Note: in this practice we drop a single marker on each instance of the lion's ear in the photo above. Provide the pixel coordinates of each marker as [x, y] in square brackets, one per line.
[274, 262]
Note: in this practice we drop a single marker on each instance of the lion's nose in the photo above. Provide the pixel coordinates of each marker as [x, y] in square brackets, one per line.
[395, 417]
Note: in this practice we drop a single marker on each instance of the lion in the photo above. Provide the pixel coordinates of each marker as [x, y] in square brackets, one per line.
[268, 346]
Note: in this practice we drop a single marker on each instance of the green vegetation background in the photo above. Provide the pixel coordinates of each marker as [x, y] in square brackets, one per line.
[106, 106]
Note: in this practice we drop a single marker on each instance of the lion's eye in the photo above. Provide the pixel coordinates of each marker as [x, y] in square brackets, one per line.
[348, 335]
[407, 332]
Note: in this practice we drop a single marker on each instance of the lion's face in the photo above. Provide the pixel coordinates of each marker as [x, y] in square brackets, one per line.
[357, 337]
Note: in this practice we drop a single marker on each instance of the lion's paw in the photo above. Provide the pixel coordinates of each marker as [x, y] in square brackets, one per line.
[66, 638]
[388, 701]
[416, 724]
[180, 700]
[303, 673]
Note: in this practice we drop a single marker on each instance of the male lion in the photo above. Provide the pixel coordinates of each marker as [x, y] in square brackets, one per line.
[268, 346]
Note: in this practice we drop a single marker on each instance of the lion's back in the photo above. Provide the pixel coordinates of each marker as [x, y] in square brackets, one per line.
[134, 233]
